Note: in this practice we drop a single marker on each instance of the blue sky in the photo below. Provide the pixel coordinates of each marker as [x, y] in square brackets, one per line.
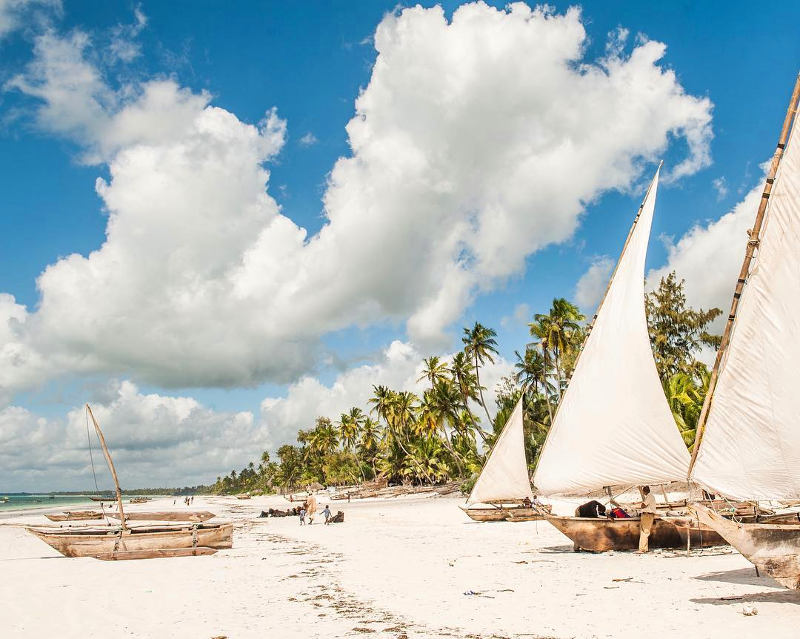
[310, 61]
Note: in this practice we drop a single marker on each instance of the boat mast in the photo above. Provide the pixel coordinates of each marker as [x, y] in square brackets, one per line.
[752, 246]
[110, 465]
[600, 305]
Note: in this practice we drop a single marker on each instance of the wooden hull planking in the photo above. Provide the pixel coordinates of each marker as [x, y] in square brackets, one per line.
[771, 547]
[503, 513]
[95, 542]
[76, 515]
[160, 553]
[600, 535]
[175, 515]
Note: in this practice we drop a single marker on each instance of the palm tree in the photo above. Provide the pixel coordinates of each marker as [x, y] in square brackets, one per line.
[349, 426]
[556, 331]
[532, 373]
[434, 370]
[480, 344]
[466, 382]
[369, 441]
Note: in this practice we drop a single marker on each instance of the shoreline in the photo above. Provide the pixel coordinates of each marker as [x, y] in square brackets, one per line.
[404, 567]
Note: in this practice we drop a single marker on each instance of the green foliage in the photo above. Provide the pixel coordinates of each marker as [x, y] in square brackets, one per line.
[677, 332]
[432, 437]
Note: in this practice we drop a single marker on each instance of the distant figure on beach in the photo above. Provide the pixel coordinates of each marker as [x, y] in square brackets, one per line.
[647, 517]
[311, 508]
[302, 516]
[591, 509]
[326, 513]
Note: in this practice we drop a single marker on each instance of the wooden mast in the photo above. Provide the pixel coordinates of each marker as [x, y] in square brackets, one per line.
[110, 465]
[752, 245]
[602, 301]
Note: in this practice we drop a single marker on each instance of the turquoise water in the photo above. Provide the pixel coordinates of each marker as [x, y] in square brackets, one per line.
[20, 502]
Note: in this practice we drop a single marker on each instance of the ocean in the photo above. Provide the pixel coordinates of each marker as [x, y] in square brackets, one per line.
[26, 501]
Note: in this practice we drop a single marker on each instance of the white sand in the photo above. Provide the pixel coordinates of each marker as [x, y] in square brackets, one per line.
[395, 568]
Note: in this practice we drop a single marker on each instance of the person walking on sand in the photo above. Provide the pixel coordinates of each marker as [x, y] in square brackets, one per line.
[647, 516]
[326, 513]
[311, 508]
[302, 515]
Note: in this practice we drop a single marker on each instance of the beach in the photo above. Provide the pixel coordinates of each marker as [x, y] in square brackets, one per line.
[412, 566]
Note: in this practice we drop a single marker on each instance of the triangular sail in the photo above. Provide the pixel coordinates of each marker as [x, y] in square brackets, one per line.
[750, 448]
[505, 475]
[613, 426]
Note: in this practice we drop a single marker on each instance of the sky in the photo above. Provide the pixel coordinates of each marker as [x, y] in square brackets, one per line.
[219, 221]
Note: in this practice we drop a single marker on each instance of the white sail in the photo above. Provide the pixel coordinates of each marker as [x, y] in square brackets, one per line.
[505, 475]
[613, 426]
[751, 445]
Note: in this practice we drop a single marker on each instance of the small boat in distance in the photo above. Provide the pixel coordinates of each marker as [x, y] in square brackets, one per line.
[144, 542]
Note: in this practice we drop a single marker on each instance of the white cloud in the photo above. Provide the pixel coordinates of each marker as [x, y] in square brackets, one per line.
[720, 185]
[593, 283]
[309, 139]
[15, 13]
[710, 255]
[464, 147]
[399, 368]
[520, 316]
[158, 440]
[154, 441]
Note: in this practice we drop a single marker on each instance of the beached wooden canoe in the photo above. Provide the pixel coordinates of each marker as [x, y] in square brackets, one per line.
[95, 498]
[147, 541]
[172, 515]
[600, 535]
[771, 547]
[242, 496]
[76, 515]
[504, 512]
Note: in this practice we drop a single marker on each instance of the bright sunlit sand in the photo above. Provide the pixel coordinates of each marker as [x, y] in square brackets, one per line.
[414, 567]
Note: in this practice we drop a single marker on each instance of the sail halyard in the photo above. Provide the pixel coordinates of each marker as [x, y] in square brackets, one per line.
[747, 444]
[613, 426]
[110, 466]
[504, 477]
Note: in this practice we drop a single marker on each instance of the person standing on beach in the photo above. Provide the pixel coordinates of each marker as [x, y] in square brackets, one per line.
[302, 515]
[326, 513]
[647, 517]
[311, 508]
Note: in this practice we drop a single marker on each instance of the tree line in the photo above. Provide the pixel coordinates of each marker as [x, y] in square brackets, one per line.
[440, 435]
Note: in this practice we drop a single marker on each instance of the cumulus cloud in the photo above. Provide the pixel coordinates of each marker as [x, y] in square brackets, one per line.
[154, 441]
[159, 440]
[592, 284]
[399, 368]
[469, 151]
[710, 255]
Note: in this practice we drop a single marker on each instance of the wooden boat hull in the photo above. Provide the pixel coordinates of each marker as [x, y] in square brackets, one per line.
[76, 515]
[159, 553]
[486, 514]
[600, 535]
[89, 542]
[503, 513]
[771, 547]
[175, 515]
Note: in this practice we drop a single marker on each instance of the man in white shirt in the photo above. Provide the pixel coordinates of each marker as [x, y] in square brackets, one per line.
[647, 517]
